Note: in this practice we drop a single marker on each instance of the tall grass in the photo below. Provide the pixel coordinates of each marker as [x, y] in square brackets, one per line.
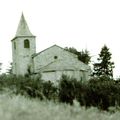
[17, 107]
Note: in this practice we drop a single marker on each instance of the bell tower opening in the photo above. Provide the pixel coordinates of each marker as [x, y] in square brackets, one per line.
[26, 43]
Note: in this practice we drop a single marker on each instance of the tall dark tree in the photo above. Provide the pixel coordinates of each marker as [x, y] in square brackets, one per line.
[82, 55]
[104, 66]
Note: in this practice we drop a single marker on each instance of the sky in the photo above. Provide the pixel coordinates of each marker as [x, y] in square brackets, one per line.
[82, 24]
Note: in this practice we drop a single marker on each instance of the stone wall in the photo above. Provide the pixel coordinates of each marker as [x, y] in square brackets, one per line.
[56, 60]
[50, 55]
[22, 56]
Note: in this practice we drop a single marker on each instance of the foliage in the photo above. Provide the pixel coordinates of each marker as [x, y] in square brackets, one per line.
[82, 55]
[28, 86]
[104, 67]
[67, 89]
[70, 89]
[103, 92]
[49, 90]
[100, 92]
[72, 50]
[17, 107]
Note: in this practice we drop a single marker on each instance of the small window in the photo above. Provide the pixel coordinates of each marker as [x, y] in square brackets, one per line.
[26, 43]
[55, 57]
[14, 45]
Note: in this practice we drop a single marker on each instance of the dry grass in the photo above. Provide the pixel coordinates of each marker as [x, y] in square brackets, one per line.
[20, 108]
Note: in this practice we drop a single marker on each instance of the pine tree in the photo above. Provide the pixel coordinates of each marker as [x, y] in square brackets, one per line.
[104, 67]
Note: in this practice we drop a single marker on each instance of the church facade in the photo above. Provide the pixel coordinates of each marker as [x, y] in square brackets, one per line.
[51, 63]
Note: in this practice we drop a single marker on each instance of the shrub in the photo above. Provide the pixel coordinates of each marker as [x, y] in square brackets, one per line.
[68, 89]
[29, 86]
[22, 85]
[99, 92]
[104, 92]
[50, 91]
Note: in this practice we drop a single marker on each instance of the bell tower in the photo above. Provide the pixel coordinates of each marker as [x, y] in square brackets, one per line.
[23, 47]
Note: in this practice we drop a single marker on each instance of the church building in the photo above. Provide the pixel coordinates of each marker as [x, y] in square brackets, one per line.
[51, 63]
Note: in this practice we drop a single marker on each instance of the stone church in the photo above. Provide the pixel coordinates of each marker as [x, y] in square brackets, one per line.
[51, 63]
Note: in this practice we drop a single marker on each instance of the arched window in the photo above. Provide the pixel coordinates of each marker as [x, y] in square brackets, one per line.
[26, 43]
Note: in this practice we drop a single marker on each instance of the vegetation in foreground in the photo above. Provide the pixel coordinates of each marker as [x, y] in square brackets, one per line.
[100, 92]
[17, 107]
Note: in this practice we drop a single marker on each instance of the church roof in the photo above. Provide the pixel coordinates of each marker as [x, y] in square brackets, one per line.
[35, 55]
[23, 29]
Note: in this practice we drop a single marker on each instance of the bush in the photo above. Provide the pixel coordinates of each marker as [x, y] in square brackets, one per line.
[50, 91]
[99, 92]
[68, 89]
[28, 86]
[103, 92]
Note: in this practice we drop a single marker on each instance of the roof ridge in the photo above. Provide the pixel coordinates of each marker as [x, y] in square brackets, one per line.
[51, 47]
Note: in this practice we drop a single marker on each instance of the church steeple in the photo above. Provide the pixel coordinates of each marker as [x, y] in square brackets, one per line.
[23, 29]
[23, 47]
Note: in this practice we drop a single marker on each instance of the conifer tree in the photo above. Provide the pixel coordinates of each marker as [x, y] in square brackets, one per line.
[104, 66]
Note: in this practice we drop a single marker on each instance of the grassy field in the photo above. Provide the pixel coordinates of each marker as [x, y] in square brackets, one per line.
[14, 107]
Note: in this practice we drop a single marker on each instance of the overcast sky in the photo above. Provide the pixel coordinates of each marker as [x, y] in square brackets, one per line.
[82, 24]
